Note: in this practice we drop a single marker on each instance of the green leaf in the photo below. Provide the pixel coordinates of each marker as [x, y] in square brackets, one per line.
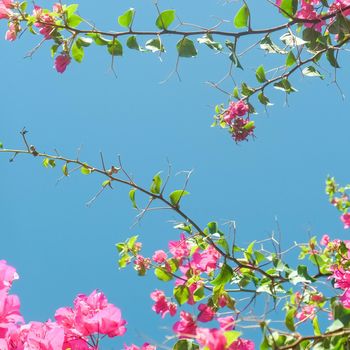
[290, 60]
[126, 19]
[312, 72]
[233, 56]
[185, 47]
[85, 170]
[268, 45]
[289, 320]
[207, 39]
[156, 184]
[231, 336]
[181, 294]
[263, 99]
[285, 86]
[260, 74]
[49, 163]
[302, 271]
[98, 39]
[23, 6]
[132, 197]
[1, 145]
[65, 169]
[289, 8]
[185, 344]
[165, 19]
[225, 275]
[163, 275]
[77, 52]
[316, 326]
[71, 9]
[132, 43]
[106, 183]
[85, 42]
[115, 48]
[176, 196]
[242, 17]
[154, 45]
[335, 326]
[199, 294]
[331, 58]
[74, 20]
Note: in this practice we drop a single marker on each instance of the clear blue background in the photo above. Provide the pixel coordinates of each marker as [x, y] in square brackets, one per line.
[61, 248]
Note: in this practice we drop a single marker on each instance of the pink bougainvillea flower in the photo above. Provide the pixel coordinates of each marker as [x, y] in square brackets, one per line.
[242, 129]
[206, 313]
[57, 7]
[180, 249]
[145, 346]
[7, 275]
[5, 13]
[308, 12]
[340, 5]
[142, 264]
[11, 34]
[324, 240]
[186, 327]
[159, 256]
[61, 62]
[242, 344]
[207, 260]
[9, 308]
[345, 299]
[345, 218]
[162, 306]
[226, 323]
[306, 312]
[212, 339]
[236, 109]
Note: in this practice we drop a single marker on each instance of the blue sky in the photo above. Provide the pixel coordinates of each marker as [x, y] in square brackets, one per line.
[60, 247]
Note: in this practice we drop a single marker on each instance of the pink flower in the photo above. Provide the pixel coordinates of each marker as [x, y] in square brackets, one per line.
[9, 309]
[186, 327]
[339, 5]
[345, 299]
[236, 109]
[57, 7]
[45, 23]
[242, 129]
[206, 313]
[308, 12]
[162, 306]
[92, 314]
[212, 339]
[11, 34]
[324, 240]
[242, 344]
[180, 249]
[345, 218]
[207, 260]
[226, 323]
[159, 256]
[142, 264]
[61, 62]
[145, 346]
[7, 275]
[5, 13]
[307, 312]
[7, 3]
[341, 277]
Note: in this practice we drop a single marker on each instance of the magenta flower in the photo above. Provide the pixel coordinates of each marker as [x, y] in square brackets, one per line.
[206, 313]
[306, 312]
[212, 339]
[242, 344]
[9, 309]
[61, 62]
[345, 218]
[226, 323]
[180, 249]
[7, 275]
[186, 327]
[207, 260]
[162, 306]
[159, 256]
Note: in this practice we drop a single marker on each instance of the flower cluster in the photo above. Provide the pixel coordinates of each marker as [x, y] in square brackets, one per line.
[77, 328]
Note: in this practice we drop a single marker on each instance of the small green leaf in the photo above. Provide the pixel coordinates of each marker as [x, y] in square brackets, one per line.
[181, 294]
[185, 344]
[132, 43]
[316, 326]
[126, 19]
[231, 336]
[263, 99]
[289, 320]
[1, 145]
[163, 275]
[312, 72]
[185, 47]
[335, 326]
[98, 39]
[65, 169]
[106, 183]
[132, 197]
[74, 20]
[85, 170]
[290, 60]
[289, 8]
[207, 39]
[331, 58]
[85, 42]
[77, 52]
[154, 45]
[156, 184]
[233, 56]
[260, 74]
[71, 9]
[176, 196]
[115, 48]
[49, 163]
[268, 45]
[285, 86]
[165, 19]
[225, 275]
[23, 6]
[242, 16]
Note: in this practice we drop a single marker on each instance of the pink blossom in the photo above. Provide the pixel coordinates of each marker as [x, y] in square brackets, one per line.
[159, 256]
[57, 7]
[341, 277]
[179, 249]
[242, 344]
[186, 327]
[207, 260]
[340, 5]
[236, 109]
[324, 240]
[306, 312]
[61, 62]
[241, 129]
[345, 218]
[308, 12]
[7, 275]
[7, 3]
[226, 323]
[206, 313]
[212, 339]
[11, 34]
[142, 264]
[9, 308]
[145, 346]
[345, 299]
[162, 306]
[5, 13]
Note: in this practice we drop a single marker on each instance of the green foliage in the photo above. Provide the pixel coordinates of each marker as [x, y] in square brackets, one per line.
[176, 196]
[242, 17]
[185, 48]
[165, 19]
[126, 19]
